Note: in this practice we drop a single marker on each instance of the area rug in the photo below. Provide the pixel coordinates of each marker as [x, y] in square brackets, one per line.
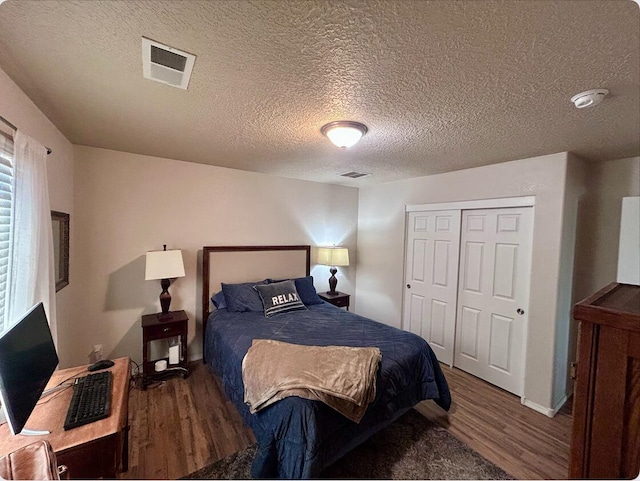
[410, 448]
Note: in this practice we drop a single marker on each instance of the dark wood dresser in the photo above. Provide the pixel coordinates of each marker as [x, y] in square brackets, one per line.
[606, 411]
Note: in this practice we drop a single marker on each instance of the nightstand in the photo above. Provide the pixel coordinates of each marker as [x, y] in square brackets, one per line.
[339, 299]
[159, 326]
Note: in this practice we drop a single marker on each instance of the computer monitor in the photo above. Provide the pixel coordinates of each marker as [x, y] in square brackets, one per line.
[28, 358]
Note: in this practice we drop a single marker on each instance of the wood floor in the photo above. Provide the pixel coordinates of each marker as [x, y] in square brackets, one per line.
[184, 425]
[493, 422]
[181, 426]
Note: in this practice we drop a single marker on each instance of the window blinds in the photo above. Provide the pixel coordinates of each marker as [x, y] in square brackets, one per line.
[6, 191]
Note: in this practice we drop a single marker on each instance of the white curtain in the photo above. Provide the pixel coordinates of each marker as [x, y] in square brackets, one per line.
[32, 277]
[6, 187]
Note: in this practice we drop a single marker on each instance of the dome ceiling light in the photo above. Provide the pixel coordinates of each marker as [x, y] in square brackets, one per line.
[590, 98]
[344, 133]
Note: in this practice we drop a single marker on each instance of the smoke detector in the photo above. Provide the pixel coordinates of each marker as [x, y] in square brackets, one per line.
[166, 64]
[590, 98]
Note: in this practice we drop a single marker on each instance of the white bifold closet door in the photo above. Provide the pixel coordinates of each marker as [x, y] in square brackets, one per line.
[493, 294]
[467, 288]
[433, 243]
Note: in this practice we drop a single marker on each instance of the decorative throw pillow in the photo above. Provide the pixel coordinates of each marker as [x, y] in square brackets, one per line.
[242, 297]
[279, 297]
[306, 290]
[219, 301]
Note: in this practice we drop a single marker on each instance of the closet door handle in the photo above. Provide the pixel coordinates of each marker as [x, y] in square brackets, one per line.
[520, 311]
[408, 286]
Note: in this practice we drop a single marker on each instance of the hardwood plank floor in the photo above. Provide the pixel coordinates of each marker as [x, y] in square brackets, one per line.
[493, 422]
[181, 426]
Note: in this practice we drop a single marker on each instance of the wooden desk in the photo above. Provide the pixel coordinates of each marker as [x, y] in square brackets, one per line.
[98, 449]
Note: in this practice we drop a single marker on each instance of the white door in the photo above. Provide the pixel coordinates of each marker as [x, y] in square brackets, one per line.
[493, 294]
[433, 242]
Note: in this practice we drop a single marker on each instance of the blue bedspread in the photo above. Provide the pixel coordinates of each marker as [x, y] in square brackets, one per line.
[298, 437]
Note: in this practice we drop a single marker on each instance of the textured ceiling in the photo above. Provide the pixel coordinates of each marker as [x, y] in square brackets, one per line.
[441, 85]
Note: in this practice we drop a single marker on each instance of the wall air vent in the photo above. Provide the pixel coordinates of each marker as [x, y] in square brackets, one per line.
[166, 64]
[355, 175]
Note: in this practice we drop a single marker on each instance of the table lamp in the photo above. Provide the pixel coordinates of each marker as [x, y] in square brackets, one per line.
[164, 265]
[333, 256]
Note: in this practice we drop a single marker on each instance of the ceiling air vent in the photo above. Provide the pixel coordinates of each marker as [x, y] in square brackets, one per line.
[166, 64]
[355, 175]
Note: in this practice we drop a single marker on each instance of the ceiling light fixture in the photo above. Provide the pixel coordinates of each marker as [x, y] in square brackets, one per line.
[590, 98]
[344, 133]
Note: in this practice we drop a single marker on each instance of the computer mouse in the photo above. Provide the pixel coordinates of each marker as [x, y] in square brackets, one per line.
[103, 364]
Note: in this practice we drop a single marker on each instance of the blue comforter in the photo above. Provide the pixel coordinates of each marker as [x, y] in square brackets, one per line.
[298, 437]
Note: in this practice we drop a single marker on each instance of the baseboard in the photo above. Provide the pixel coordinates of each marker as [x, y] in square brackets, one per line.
[549, 412]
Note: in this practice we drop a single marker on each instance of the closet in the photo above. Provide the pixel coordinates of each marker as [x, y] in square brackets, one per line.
[467, 286]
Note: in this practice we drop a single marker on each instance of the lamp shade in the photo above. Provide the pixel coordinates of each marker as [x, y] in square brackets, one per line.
[333, 256]
[164, 265]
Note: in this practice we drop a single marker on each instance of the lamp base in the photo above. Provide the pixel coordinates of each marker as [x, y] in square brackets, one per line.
[333, 281]
[165, 297]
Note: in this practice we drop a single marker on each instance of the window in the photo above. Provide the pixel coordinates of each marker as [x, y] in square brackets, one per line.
[6, 197]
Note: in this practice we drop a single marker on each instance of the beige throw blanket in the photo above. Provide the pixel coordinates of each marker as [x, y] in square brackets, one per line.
[340, 376]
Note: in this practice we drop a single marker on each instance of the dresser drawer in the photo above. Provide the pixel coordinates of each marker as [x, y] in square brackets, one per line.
[340, 302]
[161, 332]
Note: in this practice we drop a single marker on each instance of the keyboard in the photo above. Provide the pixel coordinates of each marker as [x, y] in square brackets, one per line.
[91, 400]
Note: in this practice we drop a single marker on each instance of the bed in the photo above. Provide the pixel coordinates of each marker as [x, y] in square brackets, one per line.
[298, 438]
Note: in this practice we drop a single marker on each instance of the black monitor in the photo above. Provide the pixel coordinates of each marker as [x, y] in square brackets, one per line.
[28, 358]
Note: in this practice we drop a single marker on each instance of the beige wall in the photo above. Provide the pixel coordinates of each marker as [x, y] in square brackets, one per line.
[128, 204]
[18, 109]
[576, 188]
[599, 222]
[381, 233]
[598, 231]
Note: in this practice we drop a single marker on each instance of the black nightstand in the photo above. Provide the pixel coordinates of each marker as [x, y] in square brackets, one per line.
[157, 326]
[339, 299]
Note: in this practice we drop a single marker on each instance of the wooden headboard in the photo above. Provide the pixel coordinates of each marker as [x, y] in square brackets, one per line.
[235, 264]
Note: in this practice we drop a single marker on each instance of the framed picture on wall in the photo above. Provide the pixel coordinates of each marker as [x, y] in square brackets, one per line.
[60, 227]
